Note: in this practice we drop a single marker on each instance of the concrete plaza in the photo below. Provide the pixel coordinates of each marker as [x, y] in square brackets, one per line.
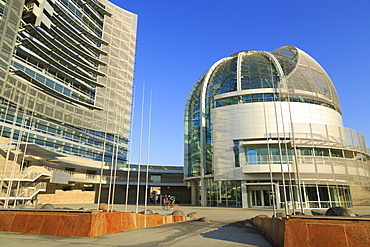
[227, 228]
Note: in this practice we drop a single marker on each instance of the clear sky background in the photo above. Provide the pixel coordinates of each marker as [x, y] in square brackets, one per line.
[179, 40]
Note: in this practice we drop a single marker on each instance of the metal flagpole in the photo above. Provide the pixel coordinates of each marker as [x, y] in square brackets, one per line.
[16, 152]
[8, 152]
[140, 149]
[111, 173]
[113, 165]
[148, 154]
[274, 202]
[291, 195]
[297, 175]
[3, 174]
[25, 150]
[116, 157]
[103, 156]
[129, 156]
[279, 143]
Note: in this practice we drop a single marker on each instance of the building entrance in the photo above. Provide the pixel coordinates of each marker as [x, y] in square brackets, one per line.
[260, 198]
[260, 195]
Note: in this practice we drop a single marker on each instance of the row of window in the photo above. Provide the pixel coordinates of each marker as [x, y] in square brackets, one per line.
[79, 138]
[94, 26]
[85, 136]
[268, 97]
[228, 193]
[317, 196]
[63, 89]
[275, 155]
[220, 193]
[68, 148]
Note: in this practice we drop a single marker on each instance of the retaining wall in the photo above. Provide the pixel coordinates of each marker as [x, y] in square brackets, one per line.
[316, 231]
[79, 224]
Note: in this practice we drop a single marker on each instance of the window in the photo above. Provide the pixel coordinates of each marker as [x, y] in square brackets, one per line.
[156, 178]
[321, 152]
[88, 187]
[66, 188]
[305, 151]
[236, 154]
[336, 153]
[259, 155]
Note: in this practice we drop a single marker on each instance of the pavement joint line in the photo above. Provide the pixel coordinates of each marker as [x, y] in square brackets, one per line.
[202, 230]
[269, 240]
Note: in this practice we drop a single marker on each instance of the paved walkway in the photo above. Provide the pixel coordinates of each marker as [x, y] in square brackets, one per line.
[227, 228]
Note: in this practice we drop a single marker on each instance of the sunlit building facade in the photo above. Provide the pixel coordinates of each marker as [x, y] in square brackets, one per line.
[265, 129]
[66, 76]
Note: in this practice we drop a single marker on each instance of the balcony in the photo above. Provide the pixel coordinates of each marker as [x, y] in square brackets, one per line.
[79, 26]
[75, 36]
[98, 7]
[44, 85]
[76, 47]
[82, 76]
[35, 33]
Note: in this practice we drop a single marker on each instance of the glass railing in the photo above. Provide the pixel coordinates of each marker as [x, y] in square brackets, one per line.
[272, 159]
[267, 97]
[94, 27]
[98, 3]
[54, 85]
[86, 93]
[317, 204]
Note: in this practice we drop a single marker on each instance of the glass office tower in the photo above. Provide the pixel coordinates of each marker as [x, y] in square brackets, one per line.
[264, 129]
[66, 73]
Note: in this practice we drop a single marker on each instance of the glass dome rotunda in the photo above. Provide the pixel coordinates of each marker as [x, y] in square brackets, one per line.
[286, 74]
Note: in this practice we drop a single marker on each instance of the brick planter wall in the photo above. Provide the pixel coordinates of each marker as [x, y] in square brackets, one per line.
[79, 224]
[316, 231]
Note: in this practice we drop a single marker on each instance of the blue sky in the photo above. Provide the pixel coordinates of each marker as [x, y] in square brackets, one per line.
[179, 40]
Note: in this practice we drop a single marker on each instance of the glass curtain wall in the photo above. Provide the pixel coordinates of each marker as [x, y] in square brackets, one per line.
[70, 94]
[220, 193]
[316, 196]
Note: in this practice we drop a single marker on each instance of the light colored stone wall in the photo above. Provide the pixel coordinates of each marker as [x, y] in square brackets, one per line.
[360, 195]
[9, 165]
[67, 197]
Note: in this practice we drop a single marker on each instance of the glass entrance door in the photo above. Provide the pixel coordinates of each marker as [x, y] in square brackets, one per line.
[267, 198]
[260, 198]
[255, 198]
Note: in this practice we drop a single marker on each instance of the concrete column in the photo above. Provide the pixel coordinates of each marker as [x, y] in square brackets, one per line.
[193, 192]
[277, 193]
[245, 202]
[203, 192]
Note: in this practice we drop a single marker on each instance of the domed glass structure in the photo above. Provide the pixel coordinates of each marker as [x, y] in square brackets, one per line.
[264, 109]
[288, 72]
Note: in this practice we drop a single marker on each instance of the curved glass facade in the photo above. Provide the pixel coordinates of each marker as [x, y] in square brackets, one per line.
[253, 118]
[257, 71]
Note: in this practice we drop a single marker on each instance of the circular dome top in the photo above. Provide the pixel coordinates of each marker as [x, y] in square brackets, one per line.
[287, 72]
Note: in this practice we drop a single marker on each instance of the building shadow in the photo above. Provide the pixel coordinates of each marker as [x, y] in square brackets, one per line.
[239, 232]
